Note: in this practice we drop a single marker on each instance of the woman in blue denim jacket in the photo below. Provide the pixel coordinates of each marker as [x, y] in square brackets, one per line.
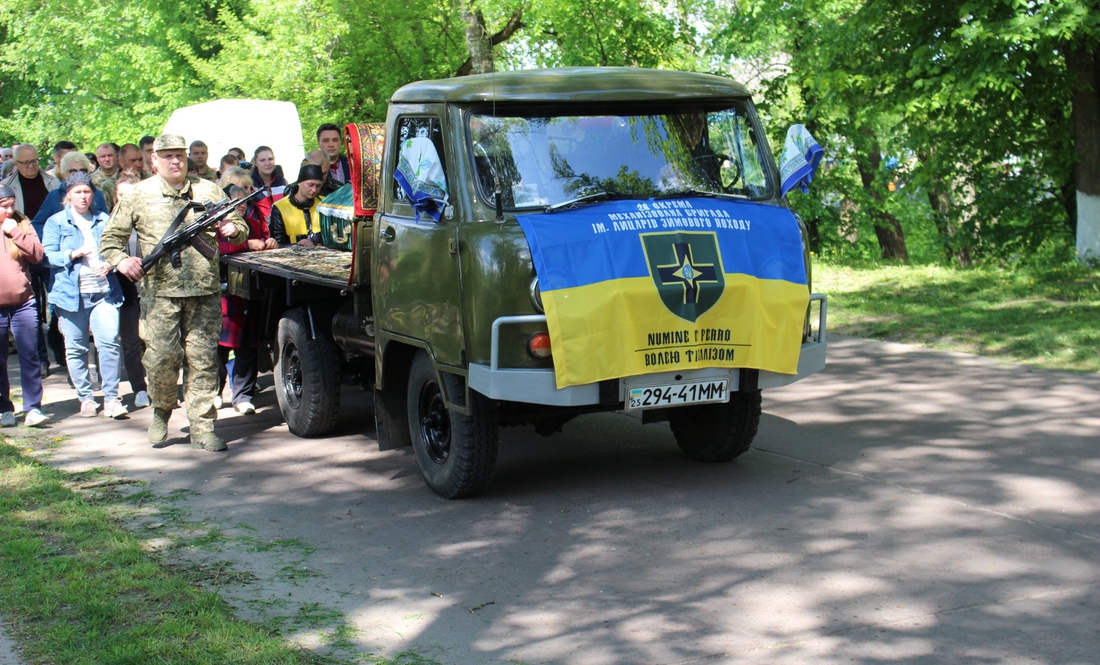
[85, 293]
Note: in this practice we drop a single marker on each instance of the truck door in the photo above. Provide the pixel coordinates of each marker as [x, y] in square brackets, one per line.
[417, 294]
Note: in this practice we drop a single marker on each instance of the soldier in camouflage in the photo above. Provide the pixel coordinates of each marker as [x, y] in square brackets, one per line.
[180, 307]
[129, 159]
[106, 155]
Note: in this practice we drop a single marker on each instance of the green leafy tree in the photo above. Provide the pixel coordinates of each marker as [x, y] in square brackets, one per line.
[985, 93]
[625, 33]
[110, 71]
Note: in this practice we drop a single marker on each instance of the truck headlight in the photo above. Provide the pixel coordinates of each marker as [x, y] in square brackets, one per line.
[536, 296]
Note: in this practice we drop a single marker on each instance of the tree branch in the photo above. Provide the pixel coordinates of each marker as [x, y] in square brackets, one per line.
[514, 24]
[109, 101]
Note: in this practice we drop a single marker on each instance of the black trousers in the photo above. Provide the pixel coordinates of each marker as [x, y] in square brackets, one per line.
[47, 325]
[243, 379]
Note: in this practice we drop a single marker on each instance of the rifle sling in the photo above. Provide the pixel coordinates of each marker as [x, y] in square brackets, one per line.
[205, 248]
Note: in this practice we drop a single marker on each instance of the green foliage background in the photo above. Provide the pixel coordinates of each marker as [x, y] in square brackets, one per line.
[947, 122]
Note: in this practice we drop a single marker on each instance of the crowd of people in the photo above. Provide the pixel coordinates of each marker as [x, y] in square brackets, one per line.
[71, 278]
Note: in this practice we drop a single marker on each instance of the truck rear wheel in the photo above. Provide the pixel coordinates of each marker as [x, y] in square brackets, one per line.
[717, 432]
[307, 377]
[456, 453]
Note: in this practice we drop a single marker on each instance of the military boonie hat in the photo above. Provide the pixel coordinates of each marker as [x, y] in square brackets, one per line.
[169, 142]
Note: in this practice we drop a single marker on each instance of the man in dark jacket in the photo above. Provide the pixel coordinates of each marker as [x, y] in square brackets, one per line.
[328, 139]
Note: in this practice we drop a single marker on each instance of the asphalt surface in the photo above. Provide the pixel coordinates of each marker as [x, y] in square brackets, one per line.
[905, 506]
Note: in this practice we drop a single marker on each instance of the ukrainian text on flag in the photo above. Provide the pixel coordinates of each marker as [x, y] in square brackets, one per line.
[636, 287]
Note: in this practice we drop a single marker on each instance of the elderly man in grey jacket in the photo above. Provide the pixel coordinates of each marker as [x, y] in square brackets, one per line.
[30, 183]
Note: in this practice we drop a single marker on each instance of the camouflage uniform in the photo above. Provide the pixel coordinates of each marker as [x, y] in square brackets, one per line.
[208, 173]
[180, 307]
[107, 188]
[99, 177]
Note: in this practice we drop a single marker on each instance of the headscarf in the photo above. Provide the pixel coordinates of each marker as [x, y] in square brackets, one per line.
[81, 178]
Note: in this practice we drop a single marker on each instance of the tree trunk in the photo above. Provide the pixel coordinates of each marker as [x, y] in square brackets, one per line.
[1084, 71]
[515, 22]
[1067, 194]
[954, 249]
[477, 39]
[891, 238]
[939, 199]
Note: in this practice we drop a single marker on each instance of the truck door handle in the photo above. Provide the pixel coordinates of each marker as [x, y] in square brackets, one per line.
[388, 233]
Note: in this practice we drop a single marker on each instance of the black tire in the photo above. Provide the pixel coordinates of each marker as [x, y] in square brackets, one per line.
[717, 432]
[456, 454]
[307, 377]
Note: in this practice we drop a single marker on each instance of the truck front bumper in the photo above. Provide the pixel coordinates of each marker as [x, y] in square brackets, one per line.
[537, 386]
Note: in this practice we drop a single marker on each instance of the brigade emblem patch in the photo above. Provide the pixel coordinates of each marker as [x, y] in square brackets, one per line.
[687, 270]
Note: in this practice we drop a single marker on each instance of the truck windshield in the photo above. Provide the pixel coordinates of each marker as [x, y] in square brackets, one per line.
[541, 160]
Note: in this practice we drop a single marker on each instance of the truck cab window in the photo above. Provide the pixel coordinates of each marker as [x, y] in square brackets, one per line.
[420, 159]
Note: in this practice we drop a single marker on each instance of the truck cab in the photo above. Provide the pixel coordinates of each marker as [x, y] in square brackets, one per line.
[458, 293]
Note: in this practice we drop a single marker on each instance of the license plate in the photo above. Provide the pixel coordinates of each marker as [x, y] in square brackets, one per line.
[675, 394]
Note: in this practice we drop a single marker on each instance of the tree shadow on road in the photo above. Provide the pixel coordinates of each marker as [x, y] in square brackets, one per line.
[905, 506]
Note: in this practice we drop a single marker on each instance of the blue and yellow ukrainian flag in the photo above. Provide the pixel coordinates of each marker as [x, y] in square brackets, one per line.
[636, 287]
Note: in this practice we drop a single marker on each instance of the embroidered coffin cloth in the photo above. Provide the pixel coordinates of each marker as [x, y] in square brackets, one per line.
[364, 144]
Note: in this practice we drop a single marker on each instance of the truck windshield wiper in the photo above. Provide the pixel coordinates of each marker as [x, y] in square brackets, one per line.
[595, 197]
[695, 192]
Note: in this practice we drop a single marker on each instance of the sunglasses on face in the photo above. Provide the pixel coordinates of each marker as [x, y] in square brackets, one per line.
[78, 170]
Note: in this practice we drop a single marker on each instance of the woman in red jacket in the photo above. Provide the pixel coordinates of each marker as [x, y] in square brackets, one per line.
[238, 321]
[19, 247]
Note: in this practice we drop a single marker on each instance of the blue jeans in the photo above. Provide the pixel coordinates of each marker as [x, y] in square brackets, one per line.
[22, 321]
[101, 320]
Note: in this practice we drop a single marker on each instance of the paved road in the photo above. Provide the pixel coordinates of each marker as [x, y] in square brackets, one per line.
[904, 506]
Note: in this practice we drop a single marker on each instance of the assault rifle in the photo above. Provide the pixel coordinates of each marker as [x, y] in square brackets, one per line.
[177, 238]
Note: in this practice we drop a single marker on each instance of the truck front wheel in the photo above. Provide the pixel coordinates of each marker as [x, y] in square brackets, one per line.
[456, 453]
[717, 432]
[307, 377]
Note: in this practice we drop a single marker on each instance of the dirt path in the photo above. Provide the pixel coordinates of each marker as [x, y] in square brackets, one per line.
[904, 505]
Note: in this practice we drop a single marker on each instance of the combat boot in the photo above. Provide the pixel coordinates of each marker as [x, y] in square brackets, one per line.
[158, 429]
[208, 441]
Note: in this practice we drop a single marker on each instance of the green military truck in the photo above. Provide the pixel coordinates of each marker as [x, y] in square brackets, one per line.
[532, 246]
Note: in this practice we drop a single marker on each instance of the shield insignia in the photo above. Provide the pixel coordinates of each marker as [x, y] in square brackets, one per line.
[686, 268]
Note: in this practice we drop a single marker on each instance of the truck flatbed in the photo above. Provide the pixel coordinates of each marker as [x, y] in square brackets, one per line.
[309, 265]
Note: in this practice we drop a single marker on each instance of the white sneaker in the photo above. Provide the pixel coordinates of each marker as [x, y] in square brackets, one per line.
[114, 409]
[35, 418]
[141, 399]
[88, 408]
[245, 408]
[7, 419]
[217, 401]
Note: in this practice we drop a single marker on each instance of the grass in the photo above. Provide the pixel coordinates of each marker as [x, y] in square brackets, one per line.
[1046, 317]
[76, 587]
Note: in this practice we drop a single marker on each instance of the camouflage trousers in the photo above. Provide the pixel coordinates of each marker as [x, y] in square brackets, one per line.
[183, 332]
